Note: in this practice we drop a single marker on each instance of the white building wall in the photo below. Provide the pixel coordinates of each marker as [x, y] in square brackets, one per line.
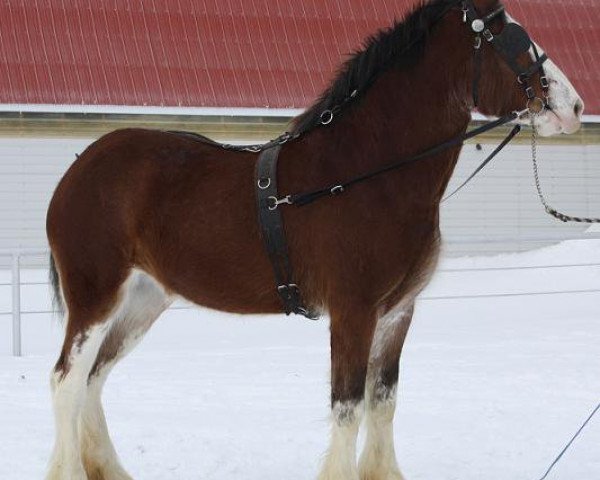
[30, 169]
[501, 203]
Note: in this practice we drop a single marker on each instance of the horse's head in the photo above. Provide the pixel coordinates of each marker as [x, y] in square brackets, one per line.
[512, 73]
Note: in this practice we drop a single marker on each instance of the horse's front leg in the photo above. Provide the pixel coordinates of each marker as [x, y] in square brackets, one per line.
[378, 460]
[351, 337]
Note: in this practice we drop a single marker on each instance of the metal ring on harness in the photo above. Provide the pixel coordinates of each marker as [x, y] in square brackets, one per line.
[264, 186]
[536, 111]
[326, 117]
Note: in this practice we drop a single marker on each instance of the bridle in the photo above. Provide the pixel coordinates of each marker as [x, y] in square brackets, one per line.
[510, 43]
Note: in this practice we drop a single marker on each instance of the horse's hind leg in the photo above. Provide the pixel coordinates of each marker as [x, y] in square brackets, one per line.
[143, 301]
[87, 325]
[378, 460]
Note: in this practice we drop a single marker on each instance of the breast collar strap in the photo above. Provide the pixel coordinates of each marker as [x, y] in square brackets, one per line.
[273, 234]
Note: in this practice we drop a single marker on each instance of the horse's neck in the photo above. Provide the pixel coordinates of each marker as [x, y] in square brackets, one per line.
[404, 112]
[411, 111]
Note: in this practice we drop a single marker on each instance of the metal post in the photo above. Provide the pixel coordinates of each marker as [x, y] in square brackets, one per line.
[16, 305]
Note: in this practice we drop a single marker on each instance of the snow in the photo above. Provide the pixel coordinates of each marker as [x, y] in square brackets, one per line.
[491, 387]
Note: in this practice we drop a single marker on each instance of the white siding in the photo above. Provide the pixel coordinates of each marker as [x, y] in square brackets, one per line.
[500, 202]
[30, 168]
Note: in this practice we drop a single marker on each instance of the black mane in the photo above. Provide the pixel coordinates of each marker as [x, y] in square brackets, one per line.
[400, 45]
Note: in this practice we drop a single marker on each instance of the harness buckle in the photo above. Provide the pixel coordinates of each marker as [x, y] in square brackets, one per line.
[488, 35]
[337, 190]
[530, 92]
[274, 202]
[544, 81]
[478, 42]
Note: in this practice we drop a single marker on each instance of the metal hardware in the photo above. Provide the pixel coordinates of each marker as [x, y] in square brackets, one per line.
[477, 25]
[488, 35]
[275, 202]
[536, 106]
[544, 81]
[530, 92]
[285, 288]
[326, 117]
[337, 190]
[253, 148]
[264, 186]
[284, 138]
[520, 113]
[477, 42]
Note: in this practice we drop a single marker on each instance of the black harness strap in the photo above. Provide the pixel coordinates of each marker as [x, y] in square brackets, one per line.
[513, 133]
[336, 189]
[273, 233]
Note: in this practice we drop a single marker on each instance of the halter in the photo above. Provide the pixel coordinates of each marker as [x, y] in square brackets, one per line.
[512, 42]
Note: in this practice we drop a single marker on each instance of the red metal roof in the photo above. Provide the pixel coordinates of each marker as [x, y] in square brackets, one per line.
[230, 53]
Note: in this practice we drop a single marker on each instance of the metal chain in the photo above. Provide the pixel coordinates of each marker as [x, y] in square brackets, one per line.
[551, 211]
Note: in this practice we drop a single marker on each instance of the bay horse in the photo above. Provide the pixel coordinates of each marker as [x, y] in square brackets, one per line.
[143, 217]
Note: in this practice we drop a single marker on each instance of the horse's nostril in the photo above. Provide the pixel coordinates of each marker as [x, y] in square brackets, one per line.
[578, 109]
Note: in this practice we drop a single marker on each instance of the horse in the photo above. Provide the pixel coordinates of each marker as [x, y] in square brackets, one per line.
[144, 217]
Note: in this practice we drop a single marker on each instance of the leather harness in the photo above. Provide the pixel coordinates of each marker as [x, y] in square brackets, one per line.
[273, 233]
[513, 41]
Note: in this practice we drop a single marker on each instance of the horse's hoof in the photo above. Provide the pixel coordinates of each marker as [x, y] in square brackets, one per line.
[107, 473]
[57, 473]
[389, 475]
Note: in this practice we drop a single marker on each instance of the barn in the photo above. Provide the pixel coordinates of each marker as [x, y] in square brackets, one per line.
[238, 71]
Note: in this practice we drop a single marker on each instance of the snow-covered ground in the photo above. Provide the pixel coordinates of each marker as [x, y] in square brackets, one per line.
[491, 388]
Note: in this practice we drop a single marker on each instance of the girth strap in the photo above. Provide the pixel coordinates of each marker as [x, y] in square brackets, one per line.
[273, 233]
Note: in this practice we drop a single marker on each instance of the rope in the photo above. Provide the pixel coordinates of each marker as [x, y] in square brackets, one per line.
[568, 445]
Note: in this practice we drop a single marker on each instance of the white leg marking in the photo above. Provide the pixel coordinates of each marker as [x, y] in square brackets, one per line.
[144, 300]
[69, 394]
[340, 462]
[378, 460]
[98, 453]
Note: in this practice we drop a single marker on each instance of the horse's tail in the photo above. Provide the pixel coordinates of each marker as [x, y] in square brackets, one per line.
[57, 301]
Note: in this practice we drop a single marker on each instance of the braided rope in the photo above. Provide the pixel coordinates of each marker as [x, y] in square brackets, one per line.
[551, 211]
